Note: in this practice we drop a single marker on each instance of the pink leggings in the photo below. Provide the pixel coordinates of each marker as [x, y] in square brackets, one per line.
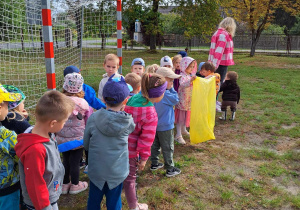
[130, 184]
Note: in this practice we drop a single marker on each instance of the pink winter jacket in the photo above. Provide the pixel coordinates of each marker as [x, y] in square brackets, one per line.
[221, 48]
[185, 92]
[74, 128]
[145, 118]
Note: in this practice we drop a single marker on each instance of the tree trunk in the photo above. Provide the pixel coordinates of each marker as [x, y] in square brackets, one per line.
[254, 40]
[103, 41]
[288, 44]
[155, 23]
[152, 42]
[22, 39]
[253, 45]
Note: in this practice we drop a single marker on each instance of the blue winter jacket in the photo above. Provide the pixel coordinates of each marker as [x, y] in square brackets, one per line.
[90, 97]
[165, 110]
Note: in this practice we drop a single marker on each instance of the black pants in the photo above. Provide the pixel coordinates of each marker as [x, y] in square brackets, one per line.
[71, 161]
[222, 70]
[86, 157]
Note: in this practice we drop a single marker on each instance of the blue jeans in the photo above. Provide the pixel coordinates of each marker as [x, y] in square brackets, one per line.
[10, 201]
[113, 197]
[222, 70]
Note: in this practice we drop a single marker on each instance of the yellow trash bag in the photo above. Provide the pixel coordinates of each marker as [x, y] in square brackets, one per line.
[203, 110]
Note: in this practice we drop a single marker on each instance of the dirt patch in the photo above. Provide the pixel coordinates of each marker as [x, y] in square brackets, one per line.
[287, 127]
[290, 186]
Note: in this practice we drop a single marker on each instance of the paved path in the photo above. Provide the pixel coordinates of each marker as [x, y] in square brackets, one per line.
[97, 44]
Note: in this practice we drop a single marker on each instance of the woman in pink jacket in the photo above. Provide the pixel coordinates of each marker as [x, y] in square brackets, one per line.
[221, 48]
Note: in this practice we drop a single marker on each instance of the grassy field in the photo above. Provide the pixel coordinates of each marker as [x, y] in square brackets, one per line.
[254, 163]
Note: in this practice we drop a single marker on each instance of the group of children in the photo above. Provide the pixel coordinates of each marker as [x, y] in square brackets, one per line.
[134, 121]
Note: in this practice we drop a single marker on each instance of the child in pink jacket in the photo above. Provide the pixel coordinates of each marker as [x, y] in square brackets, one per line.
[188, 67]
[73, 131]
[141, 107]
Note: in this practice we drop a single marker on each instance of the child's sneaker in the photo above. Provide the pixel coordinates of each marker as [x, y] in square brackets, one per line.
[173, 172]
[156, 166]
[86, 169]
[185, 132]
[65, 188]
[82, 164]
[223, 116]
[142, 206]
[180, 140]
[75, 189]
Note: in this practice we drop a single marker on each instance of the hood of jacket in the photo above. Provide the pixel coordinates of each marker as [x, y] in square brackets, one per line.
[26, 140]
[231, 84]
[139, 109]
[106, 75]
[112, 123]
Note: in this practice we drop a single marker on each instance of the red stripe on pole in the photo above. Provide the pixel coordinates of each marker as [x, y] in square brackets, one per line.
[51, 81]
[46, 16]
[49, 51]
[119, 43]
[119, 24]
[119, 6]
[120, 63]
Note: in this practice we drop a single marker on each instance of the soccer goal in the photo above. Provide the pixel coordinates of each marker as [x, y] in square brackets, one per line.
[80, 32]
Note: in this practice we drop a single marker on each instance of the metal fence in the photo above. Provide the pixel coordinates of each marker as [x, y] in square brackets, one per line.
[267, 42]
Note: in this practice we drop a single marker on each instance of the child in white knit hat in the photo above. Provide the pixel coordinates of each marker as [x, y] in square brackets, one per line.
[73, 131]
[166, 61]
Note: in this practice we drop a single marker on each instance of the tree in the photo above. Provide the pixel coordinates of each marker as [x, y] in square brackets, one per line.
[296, 28]
[12, 13]
[287, 21]
[198, 17]
[132, 11]
[258, 14]
[147, 12]
[97, 21]
[75, 12]
[171, 23]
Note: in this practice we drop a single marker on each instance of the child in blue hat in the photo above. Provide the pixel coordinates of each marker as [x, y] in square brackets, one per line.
[138, 66]
[89, 92]
[106, 139]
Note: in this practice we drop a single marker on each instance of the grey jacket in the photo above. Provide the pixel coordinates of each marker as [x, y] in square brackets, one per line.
[41, 170]
[106, 139]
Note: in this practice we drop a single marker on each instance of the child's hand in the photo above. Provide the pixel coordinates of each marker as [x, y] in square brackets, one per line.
[122, 108]
[141, 164]
[209, 76]
[25, 113]
[193, 78]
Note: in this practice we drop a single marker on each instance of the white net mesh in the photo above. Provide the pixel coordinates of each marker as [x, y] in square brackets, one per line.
[21, 44]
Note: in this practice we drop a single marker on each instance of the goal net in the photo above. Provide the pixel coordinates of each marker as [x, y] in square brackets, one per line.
[83, 32]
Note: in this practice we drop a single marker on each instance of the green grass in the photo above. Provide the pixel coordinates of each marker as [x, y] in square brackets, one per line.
[252, 164]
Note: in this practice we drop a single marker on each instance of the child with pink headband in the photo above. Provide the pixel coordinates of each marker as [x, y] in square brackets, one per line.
[141, 107]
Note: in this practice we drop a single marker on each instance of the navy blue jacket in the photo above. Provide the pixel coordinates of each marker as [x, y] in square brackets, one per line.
[18, 124]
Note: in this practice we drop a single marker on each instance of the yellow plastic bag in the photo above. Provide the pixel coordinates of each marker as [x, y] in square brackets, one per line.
[203, 110]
